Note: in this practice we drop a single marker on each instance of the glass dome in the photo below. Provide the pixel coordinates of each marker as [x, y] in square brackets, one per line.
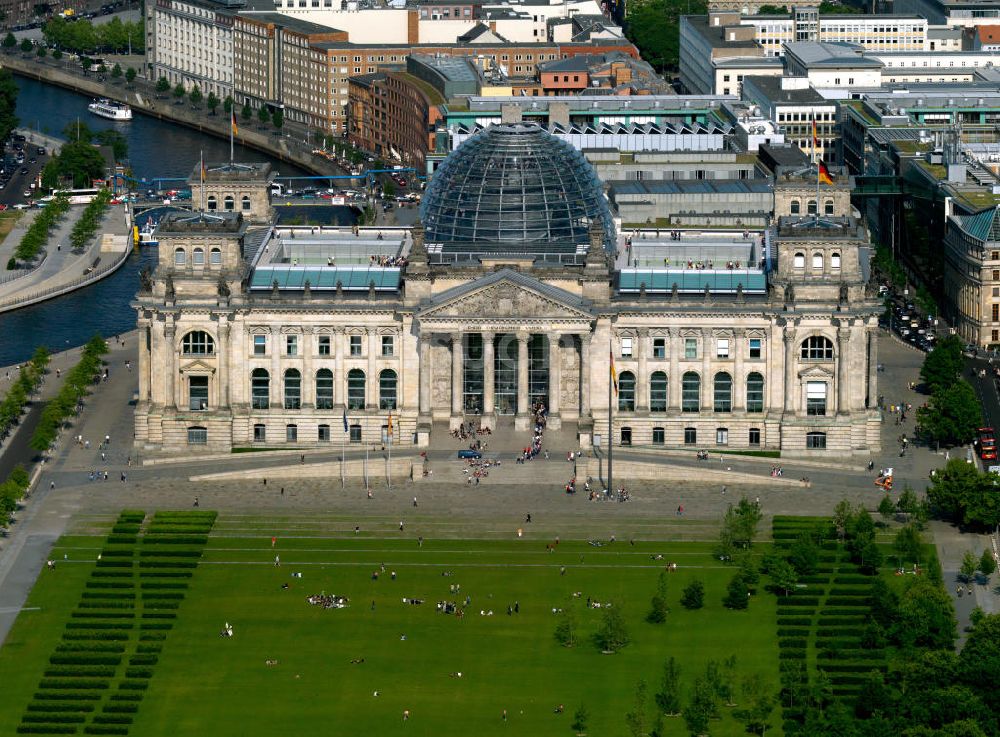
[516, 186]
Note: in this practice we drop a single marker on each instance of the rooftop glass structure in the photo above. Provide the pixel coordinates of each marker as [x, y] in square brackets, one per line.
[515, 189]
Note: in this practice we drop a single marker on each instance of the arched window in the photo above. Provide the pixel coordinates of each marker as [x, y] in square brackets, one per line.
[723, 393]
[387, 389]
[198, 257]
[811, 207]
[796, 207]
[828, 207]
[260, 388]
[817, 260]
[324, 389]
[293, 389]
[799, 261]
[626, 392]
[197, 343]
[658, 392]
[211, 203]
[197, 436]
[229, 203]
[245, 203]
[834, 260]
[180, 257]
[355, 389]
[755, 392]
[817, 348]
[816, 440]
[215, 256]
[690, 392]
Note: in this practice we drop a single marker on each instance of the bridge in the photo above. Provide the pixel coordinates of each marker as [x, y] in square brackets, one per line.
[888, 186]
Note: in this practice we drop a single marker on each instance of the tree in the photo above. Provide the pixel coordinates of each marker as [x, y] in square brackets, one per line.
[116, 71]
[227, 104]
[870, 558]
[130, 76]
[580, 719]
[748, 572]
[162, 86]
[195, 96]
[739, 527]
[78, 131]
[102, 69]
[979, 660]
[772, 10]
[246, 113]
[613, 634]
[278, 118]
[654, 27]
[804, 554]
[969, 566]
[987, 563]
[886, 508]
[737, 594]
[80, 162]
[41, 53]
[263, 117]
[9, 42]
[27, 46]
[760, 702]
[693, 596]
[951, 488]
[115, 139]
[658, 605]
[700, 708]
[635, 718]
[908, 503]
[57, 54]
[907, 544]
[565, 633]
[952, 414]
[783, 576]
[943, 365]
[179, 93]
[8, 103]
[212, 102]
[389, 188]
[668, 698]
[926, 616]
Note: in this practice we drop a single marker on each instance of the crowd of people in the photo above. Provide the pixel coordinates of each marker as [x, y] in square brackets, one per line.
[539, 415]
[328, 601]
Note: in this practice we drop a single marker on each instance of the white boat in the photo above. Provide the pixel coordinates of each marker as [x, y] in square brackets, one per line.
[110, 110]
[147, 236]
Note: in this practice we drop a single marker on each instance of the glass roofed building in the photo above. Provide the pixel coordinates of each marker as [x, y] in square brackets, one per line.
[511, 293]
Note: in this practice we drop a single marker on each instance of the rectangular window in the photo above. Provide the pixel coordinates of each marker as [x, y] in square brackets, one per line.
[722, 348]
[816, 398]
[355, 345]
[323, 434]
[626, 347]
[291, 345]
[197, 436]
[995, 336]
[659, 347]
[259, 345]
[198, 393]
[755, 347]
[995, 309]
[291, 433]
[259, 433]
[659, 436]
[355, 433]
[690, 348]
[816, 440]
[754, 436]
[387, 346]
[324, 345]
[690, 436]
[721, 436]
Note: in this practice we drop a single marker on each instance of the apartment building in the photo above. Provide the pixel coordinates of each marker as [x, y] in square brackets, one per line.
[874, 32]
[953, 12]
[194, 44]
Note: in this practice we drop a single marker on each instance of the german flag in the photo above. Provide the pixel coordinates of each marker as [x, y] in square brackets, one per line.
[614, 374]
[389, 429]
[824, 174]
[232, 122]
[815, 136]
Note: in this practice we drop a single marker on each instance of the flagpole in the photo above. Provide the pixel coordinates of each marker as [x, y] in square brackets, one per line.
[388, 468]
[203, 180]
[816, 162]
[611, 439]
[232, 114]
[366, 466]
[343, 457]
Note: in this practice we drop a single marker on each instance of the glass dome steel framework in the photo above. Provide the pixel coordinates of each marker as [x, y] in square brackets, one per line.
[518, 187]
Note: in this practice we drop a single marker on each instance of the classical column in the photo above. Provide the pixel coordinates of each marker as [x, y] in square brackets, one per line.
[277, 380]
[489, 369]
[224, 348]
[674, 379]
[371, 385]
[456, 374]
[585, 376]
[707, 385]
[522, 373]
[872, 368]
[642, 376]
[170, 367]
[145, 359]
[308, 386]
[425, 374]
[339, 377]
[739, 380]
[555, 374]
[789, 337]
[843, 370]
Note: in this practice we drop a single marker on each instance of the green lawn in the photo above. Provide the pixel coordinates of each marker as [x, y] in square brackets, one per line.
[204, 684]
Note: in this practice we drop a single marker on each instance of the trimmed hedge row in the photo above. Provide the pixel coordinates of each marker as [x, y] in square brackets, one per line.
[798, 601]
[57, 718]
[122, 539]
[113, 719]
[848, 601]
[151, 648]
[794, 621]
[80, 706]
[859, 620]
[171, 553]
[66, 696]
[99, 625]
[157, 615]
[157, 563]
[176, 540]
[93, 647]
[144, 660]
[114, 585]
[85, 659]
[134, 685]
[793, 631]
[847, 654]
[138, 672]
[95, 635]
[71, 684]
[113, 593]
[105, 603]
[40, 729]
[164, 574]
[111, 573]
[792, 654]
[152, 636]
[793, 642]
[120, 708]
[104, 729]
[164, 586]
[163, 596]
[126, 696]
[80, 671]
[852, 667]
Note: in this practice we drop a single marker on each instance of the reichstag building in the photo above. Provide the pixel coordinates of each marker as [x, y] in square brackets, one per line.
[513, 291]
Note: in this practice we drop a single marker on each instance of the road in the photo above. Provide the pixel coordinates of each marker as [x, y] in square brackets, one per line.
[21, 175]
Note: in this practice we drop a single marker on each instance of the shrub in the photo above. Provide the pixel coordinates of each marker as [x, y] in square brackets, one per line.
[105, 729]
[73, 683]
[125, 696]
[152, 636]
[62, 659]
[143, 660]
[138, 672]
[120, 708]
[793, 643]
[46, 729]
[149, 648]
[112, 719]
[89, 647]
[134, 685]
[80, 671]
[794, 621]
[694, 595]
[80, 706]
[95, 635]
[67, 696]
[158, 615]
[99, 625]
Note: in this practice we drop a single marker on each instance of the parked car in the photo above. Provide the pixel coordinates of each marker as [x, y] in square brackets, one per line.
[468, 453]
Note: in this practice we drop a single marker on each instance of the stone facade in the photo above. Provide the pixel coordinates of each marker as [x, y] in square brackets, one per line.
[243, 188]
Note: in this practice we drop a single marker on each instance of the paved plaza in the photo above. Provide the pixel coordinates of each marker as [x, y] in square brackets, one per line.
[446, 505]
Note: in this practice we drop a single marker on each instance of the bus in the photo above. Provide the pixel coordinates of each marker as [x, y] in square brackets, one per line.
[78, 196]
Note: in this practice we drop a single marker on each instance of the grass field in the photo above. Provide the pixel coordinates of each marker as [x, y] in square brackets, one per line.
[184, 678]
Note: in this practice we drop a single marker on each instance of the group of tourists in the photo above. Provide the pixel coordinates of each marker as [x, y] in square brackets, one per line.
[328, 601]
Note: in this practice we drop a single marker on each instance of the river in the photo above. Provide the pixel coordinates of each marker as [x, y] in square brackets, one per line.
[156, 149]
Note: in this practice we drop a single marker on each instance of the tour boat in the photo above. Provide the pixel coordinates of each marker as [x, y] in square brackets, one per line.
[110, 110]
[147, 236]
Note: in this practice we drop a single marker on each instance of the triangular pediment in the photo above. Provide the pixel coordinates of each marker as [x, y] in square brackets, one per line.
[197, 366]
[816, 373]
[506, 294]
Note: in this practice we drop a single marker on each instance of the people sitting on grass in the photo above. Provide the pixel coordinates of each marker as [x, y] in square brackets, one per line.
[328, 601]
[227, 630]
